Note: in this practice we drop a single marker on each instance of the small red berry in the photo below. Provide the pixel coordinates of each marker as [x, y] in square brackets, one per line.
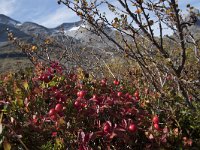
[78, 93]
[94, 96]
[107, 128]
[103, 81]
[77, 104]
[57, 94]
[59, 107]
[156, 126]
[155, 120]
[52, 112]
[116, 82]
[119, 94]
[136, 94]
[84, 105]
[81, 94]
[53, 134]
[132, 128]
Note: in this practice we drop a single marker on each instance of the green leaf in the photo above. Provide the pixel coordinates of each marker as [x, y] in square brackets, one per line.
[52, 83]
[19, 102]
[43, 85]
[26, 86]
[62, 78]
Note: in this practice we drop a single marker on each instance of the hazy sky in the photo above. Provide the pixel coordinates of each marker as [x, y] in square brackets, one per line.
[48, 12]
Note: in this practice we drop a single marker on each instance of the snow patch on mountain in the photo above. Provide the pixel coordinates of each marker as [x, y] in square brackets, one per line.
[74, 28]
[77, 27]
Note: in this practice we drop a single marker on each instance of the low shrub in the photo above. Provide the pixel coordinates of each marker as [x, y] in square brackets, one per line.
[53, 108]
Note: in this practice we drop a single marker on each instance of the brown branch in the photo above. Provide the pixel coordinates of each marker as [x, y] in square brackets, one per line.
[181, 36]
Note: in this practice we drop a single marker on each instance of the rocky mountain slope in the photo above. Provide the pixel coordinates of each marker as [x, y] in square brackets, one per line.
[77, 30]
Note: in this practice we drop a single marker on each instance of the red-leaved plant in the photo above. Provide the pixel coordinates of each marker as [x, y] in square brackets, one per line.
[57, 109]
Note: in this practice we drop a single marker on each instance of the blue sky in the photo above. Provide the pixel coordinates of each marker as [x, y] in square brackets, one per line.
[49, 13]
[45, 12]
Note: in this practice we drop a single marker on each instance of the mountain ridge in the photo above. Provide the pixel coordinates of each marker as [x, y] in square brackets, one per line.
[79, 31]
[7, 20]
[67, 28]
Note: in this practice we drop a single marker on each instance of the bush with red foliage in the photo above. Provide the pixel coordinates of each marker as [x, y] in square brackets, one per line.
[53, 108]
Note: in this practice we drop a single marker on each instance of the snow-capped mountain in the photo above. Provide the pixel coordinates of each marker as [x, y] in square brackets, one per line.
[69, 26]
[78, 30]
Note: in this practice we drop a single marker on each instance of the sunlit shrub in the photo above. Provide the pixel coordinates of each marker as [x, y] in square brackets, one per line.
[54, 109]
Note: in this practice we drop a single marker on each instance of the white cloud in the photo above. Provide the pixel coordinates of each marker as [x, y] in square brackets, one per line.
[7, 6]
[56, 18]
